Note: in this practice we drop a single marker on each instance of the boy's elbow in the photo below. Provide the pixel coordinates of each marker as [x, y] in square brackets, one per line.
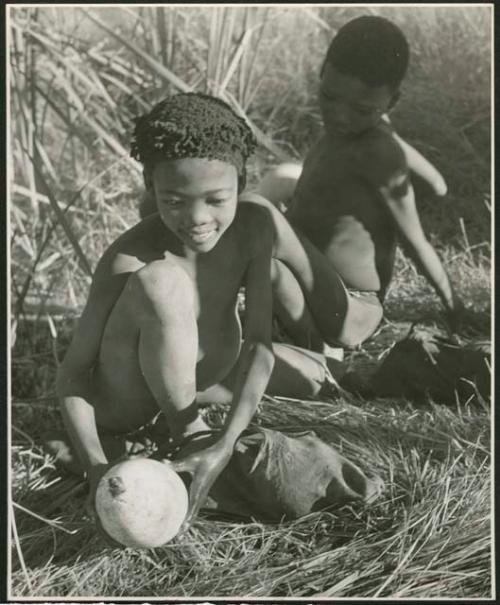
[439, 185]
[70, 380]
[60, 378]
[269, 353]
[268, 358]
[62, 382]
[263, 350]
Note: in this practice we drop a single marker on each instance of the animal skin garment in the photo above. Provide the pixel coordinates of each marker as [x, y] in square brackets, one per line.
[273, 476]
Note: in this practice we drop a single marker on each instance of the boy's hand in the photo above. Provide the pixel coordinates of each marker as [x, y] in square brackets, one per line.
[455, 315]
[94, 476]
[204, 466]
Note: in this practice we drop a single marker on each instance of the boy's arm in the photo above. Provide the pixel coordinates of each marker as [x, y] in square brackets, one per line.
[256, 359]
[254, 367]
[399, 198]
[419, 164]
[74, 387]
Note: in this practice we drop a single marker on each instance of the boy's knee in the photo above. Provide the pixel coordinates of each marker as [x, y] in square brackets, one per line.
[348, 341]
[358, 327]
[340, 332]
[278, 185]
[334, 337]
[164, 274]
[277, 270]
[164, 288]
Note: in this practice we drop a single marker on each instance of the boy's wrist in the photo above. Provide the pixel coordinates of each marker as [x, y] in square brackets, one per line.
[454, 305]
[448, 303]
[228, 438]
[451, 301]
[95, 469]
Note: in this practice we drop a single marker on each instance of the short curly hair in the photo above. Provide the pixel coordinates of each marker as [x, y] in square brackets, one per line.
[372, 49]
[193, 125]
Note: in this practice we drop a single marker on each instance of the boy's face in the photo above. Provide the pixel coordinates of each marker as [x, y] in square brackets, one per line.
[196, 199]
[348, 106]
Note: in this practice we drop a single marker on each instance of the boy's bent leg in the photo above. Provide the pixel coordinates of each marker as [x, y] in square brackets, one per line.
[362, 317]
[168, 344]
[148, 355]
[290, 307]
[297, 373]
[364, 314]
[323, 289]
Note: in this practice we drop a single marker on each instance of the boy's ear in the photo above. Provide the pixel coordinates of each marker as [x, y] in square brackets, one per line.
[148, 179]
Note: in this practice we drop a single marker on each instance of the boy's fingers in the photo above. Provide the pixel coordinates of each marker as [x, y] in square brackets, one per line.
[197, 496]
[184, 527]
[104, 534]
[180, 466]
[90, 512]
[90, 507]
[183, 465]
[193, 509]
[96, 521]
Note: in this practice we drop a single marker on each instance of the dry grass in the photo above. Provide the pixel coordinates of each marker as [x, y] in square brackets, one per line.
[428, 536]
[74, 88]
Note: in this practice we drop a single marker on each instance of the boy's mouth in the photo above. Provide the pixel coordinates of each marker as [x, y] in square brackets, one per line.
[199, 236]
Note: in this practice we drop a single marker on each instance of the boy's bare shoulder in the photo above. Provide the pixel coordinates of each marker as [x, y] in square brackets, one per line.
[134, 248]
[379, 157]
[253, 222]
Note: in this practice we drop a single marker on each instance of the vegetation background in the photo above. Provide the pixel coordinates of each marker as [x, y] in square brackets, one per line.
[77, 76]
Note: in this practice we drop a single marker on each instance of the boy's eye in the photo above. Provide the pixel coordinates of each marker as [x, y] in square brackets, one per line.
[216, 201]
[173, 202]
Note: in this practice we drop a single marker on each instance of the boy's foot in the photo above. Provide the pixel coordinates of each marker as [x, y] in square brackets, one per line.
[357, 383]
[333, 352]
[64, 457]
[57, 444]
[374, 488]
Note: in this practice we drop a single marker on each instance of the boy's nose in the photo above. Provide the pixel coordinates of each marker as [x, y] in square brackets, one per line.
[198, 214]
[336, 115]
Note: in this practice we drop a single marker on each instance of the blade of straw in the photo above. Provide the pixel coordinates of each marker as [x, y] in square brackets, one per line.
[19, 551]
[63, 221]
[245, 38]
[160, 69]
[47, 521]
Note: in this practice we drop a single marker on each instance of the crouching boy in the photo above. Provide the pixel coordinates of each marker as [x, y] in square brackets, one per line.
[160, 328]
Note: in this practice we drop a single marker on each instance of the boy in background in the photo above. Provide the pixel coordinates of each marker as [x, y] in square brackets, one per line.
[353, 199]
[160, 331]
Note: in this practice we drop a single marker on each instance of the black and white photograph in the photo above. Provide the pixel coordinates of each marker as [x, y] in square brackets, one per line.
[250, 304]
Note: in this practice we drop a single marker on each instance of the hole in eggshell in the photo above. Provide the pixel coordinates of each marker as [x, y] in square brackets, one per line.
[116, 486]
